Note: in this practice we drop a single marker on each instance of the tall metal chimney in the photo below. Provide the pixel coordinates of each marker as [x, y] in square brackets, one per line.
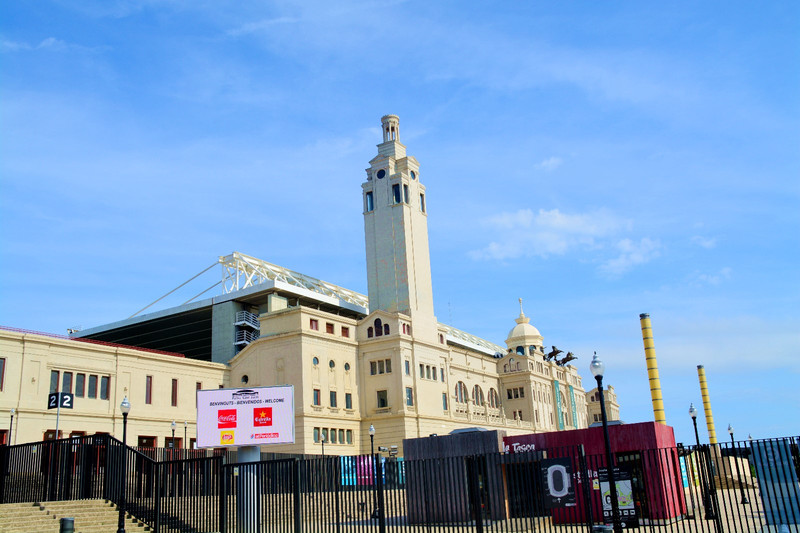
[712, 434]
[652, 369]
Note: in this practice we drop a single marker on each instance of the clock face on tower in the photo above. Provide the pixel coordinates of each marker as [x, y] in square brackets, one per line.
[381, 174]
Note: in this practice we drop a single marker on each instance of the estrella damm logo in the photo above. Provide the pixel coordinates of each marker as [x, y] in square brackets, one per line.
[262, 416]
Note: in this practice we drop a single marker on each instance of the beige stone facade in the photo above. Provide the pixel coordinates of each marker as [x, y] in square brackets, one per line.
[394, 367]
[99, 376]
[593, 410]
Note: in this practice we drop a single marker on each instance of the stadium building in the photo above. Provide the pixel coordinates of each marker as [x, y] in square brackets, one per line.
[354, 360]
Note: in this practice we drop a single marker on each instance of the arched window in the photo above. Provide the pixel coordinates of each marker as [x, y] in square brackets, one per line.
[378, 327]
[461, 392]
[369, 332]
[386, 329]
[521, 350]
[494, 399]
[531, 349]
[477, 395]
[441, 338]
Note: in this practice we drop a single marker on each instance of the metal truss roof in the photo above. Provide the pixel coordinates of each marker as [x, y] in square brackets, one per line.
[240, 271]
[471, 341]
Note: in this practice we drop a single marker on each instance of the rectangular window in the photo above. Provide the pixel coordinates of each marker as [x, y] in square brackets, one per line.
[92, 387]
[409, 396]
[444, 401]
[328, 328]
[349, 436]
[422, 202]
[373, 368]
[388, 366]
[348, 400]
[317, 399]
[522, 392]
[174, 393]
[345, 332]
[381, 367]
[148, 389]
[333, 399]
[383, 399]
[66, 382]
[422, 371]
[2, 371]
[314, 324]
[396, 193]
[325, 434]
[370, 203]
[333, 436]
[428, 372]
[53, 381]
[80, 385]
[516, 393]
[408, 368]
[405, 193]
[198, 385]
[104, 387]
[316, 434]
[341, 436]
[442, 369]
[510, 394]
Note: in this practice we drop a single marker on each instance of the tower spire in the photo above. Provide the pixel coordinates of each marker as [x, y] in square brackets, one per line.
[396, 233]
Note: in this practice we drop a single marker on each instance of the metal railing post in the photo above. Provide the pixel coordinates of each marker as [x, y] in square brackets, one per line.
[298, 518]
[474, 496]
[222, 490]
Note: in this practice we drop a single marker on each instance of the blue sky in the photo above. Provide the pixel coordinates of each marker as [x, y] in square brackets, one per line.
[598, 160]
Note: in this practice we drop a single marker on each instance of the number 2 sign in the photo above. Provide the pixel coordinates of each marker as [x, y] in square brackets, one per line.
[60, 399]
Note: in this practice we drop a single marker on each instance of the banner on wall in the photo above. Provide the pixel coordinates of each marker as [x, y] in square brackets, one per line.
[559, 490]
[245, 417]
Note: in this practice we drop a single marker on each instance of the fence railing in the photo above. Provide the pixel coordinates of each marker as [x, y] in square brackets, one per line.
[733, 487]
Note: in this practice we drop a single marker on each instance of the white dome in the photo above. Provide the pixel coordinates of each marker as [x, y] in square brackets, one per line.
[523, 334]
[523, 329]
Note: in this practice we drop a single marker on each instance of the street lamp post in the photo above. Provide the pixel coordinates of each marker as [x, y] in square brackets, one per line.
[323, 444]
[374, 472]
[710, 515]
[597, 367]
[11, 426]
[173, 426]
[185, 428]
[736, 461]
[125, 407]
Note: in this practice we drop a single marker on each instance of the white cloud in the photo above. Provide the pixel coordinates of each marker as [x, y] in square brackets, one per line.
[699, 278]
[551, 163]
[50, 43]
[704, 242]
[630, 255]
[260, 25]
[543, 233]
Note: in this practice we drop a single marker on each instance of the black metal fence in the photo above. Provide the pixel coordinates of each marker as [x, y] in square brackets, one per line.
[733, 487]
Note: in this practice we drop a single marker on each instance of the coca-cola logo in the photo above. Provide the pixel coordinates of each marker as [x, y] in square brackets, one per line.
[262, 416]
[226, 418]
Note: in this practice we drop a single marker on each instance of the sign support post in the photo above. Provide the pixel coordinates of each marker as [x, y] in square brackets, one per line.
[247, 493]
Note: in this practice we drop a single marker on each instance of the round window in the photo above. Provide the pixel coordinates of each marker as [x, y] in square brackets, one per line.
[347, 366]
[331, 363]
[381, 174]
[413, 175]
[315, 361]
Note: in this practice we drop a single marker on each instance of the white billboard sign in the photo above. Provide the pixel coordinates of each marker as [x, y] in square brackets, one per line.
[245, 417]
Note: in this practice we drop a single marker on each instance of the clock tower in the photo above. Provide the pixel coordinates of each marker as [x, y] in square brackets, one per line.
[396, 232]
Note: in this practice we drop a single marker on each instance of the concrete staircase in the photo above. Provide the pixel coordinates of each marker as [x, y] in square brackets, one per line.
[91, 516]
